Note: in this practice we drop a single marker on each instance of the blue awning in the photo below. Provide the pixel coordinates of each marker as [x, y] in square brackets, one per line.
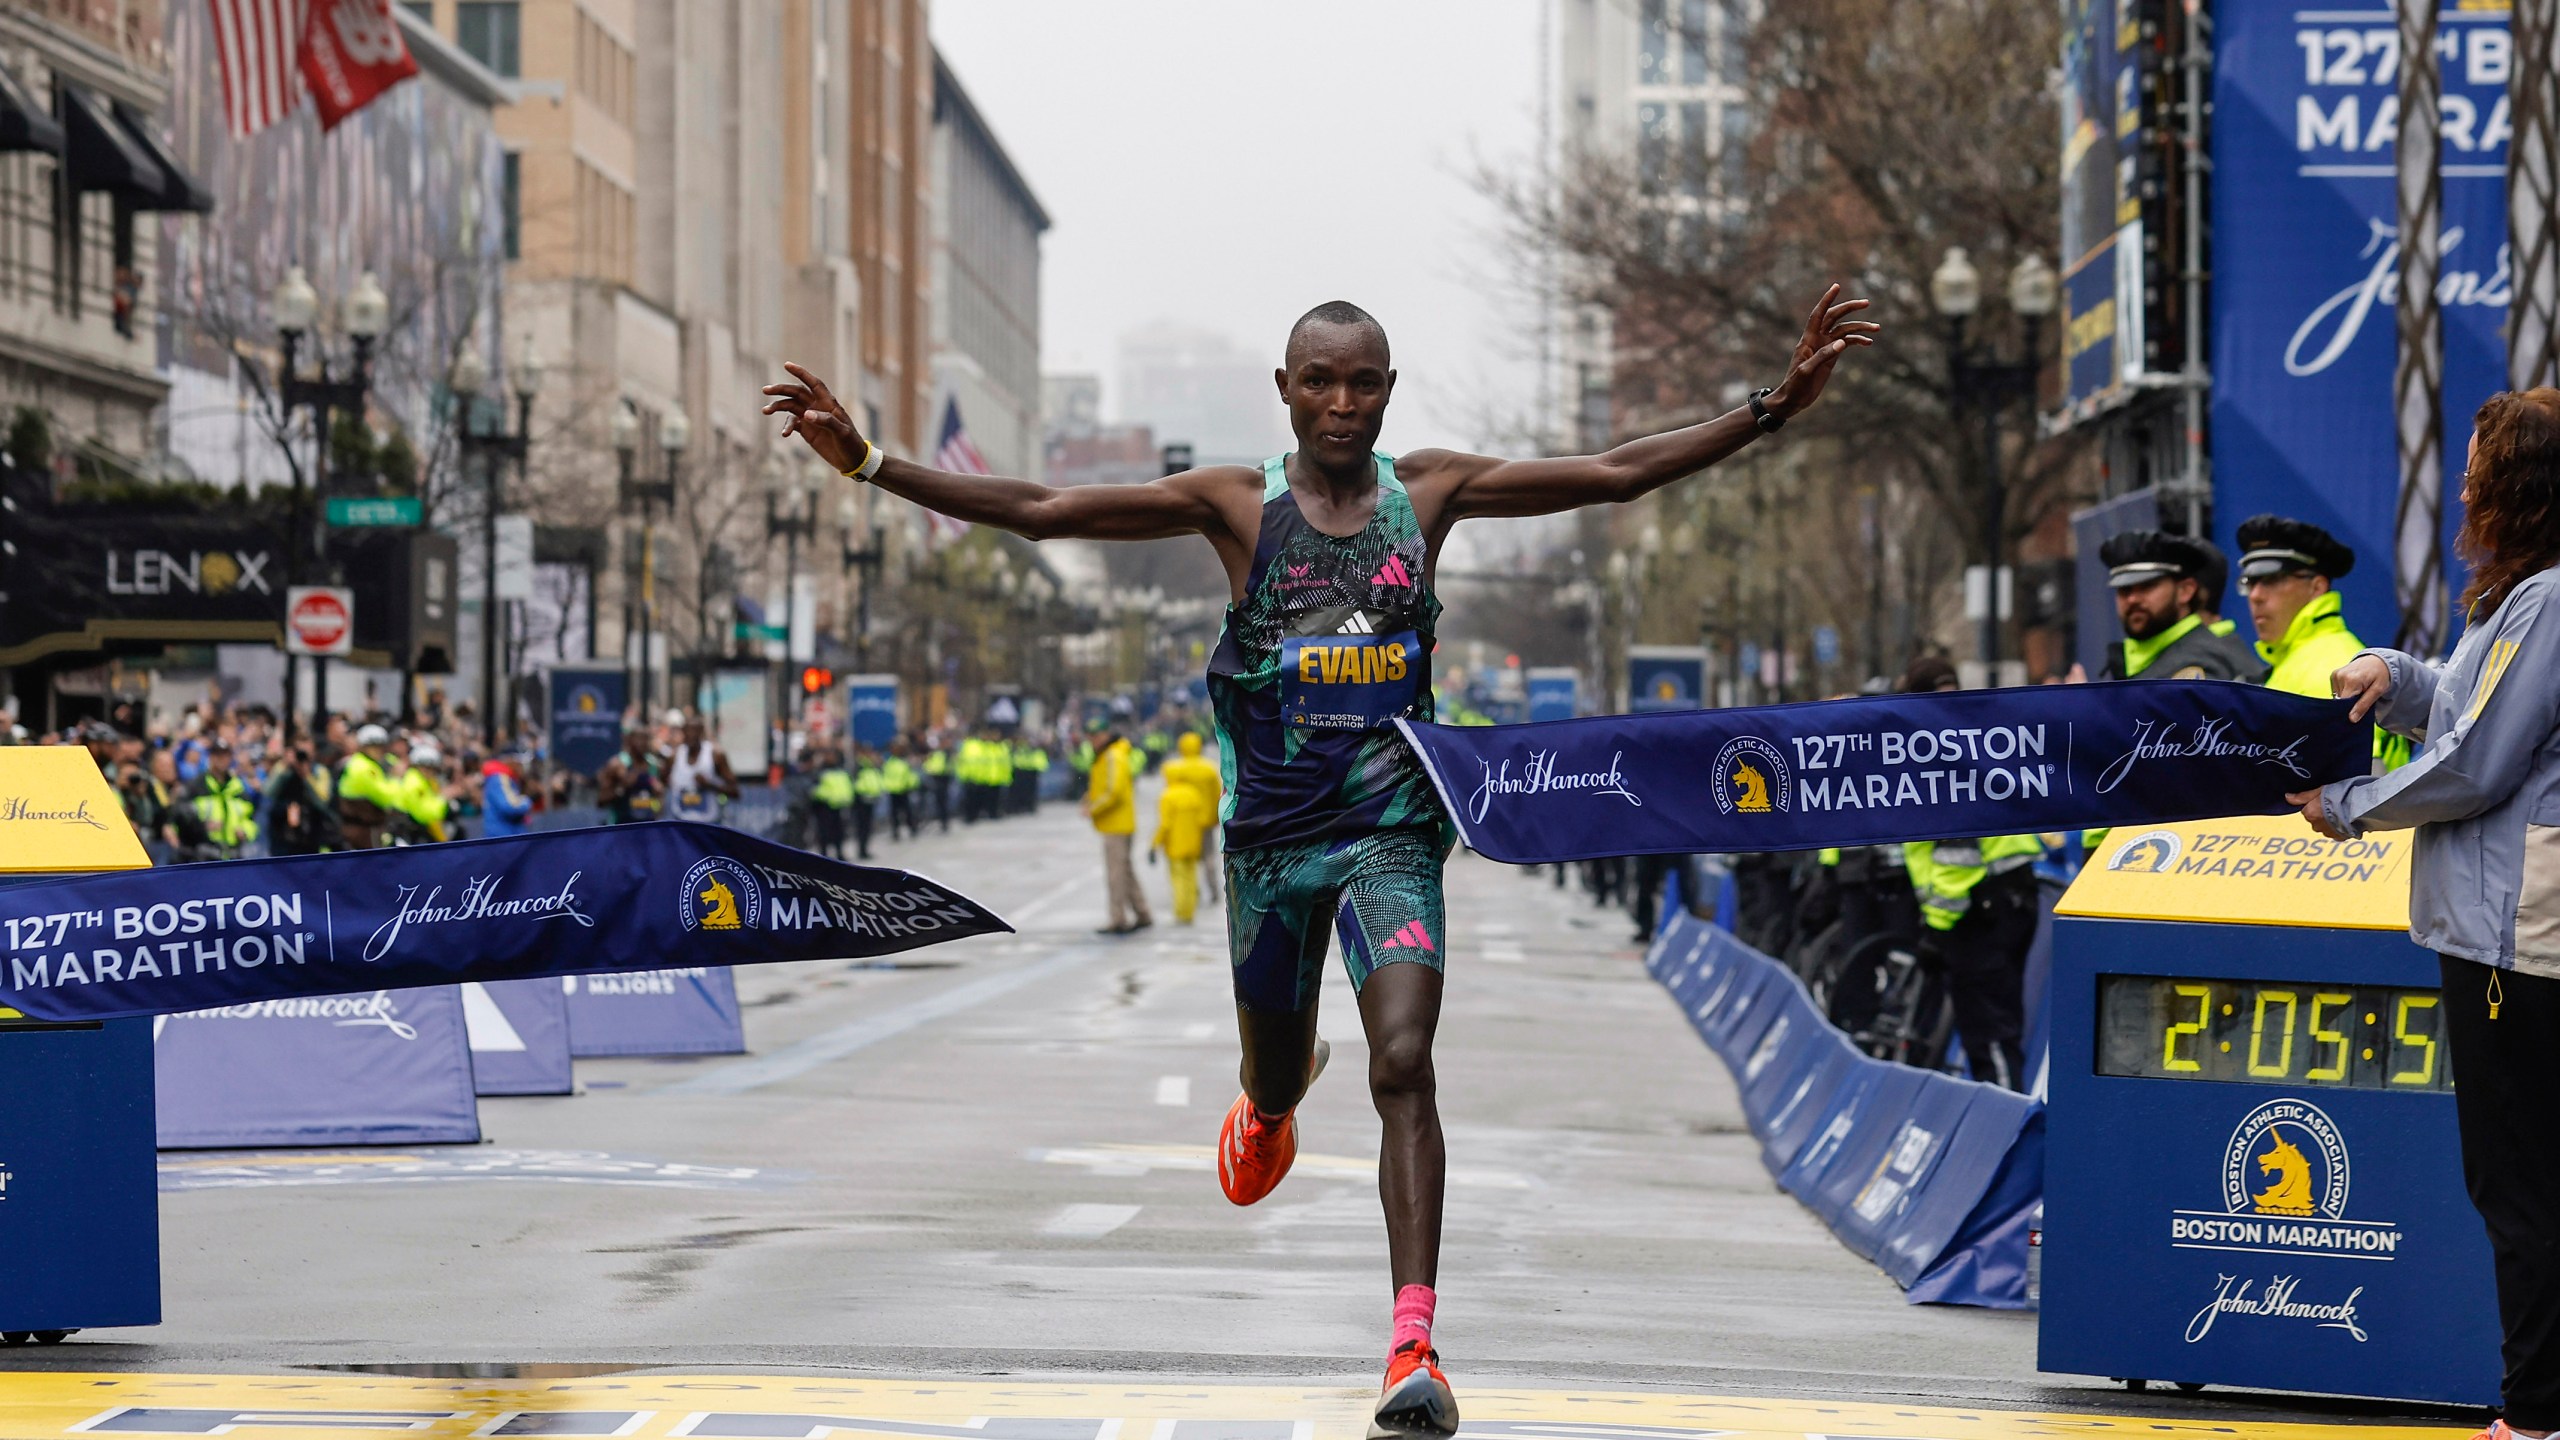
[98, 152]
[24, 125]
[181, 190]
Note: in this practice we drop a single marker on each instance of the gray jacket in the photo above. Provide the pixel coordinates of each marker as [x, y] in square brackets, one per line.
[2484, 796]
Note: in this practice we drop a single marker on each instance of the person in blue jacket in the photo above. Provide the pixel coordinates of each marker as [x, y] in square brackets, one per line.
[503, 803]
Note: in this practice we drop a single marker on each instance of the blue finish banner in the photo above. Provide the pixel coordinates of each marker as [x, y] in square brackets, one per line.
[2306, 268]
[389, 1067]
[1886, 769]
[622, 898]
[586, 715]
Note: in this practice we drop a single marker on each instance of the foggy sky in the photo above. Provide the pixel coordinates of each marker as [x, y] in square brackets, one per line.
[1227, 165]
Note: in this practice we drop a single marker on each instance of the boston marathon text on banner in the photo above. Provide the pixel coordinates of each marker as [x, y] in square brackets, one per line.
[1874, 771]
[570, 902]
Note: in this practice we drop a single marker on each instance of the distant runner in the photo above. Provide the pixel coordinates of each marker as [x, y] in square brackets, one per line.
[1330, 820]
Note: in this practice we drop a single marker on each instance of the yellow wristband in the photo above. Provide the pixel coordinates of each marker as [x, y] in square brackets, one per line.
[872, 456]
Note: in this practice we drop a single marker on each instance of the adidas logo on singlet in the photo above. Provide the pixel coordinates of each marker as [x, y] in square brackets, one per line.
[1358, 624]
[1393, 574]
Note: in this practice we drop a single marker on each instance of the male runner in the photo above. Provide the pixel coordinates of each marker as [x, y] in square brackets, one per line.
[1331, 821]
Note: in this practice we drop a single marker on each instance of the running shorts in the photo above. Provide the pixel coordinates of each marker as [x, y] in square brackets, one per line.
[1381, 892]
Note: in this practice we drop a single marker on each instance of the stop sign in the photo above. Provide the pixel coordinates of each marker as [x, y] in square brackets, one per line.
[319, 620]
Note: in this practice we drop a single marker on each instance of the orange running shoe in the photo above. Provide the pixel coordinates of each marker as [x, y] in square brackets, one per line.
[1254, 1155]
[1416, 1399]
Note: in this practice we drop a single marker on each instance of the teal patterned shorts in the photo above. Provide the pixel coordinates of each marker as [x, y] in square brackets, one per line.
[1380, 892]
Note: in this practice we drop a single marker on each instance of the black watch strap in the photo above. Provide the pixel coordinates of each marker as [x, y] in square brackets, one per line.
[1761, 415]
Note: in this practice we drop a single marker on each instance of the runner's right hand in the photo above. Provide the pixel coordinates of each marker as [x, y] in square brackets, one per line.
[2365, 680]
[815, 415]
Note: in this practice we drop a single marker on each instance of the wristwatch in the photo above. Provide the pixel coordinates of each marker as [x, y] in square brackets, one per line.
[1764, 417]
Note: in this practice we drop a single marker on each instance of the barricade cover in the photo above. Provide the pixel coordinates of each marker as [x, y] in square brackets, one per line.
[519, 1036]
[1805, 1101]
[1930, 1176]
[1792, 1042]
[1885, 769]
[388, 1067]
[1855, 1145]
[692, 1011]
[661, 896]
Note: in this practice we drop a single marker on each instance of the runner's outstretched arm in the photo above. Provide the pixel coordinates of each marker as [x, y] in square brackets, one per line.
[1174, 505]
[1480, 485]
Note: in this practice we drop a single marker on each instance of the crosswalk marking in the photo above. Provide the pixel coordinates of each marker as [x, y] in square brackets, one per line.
[1088, 1222]
[36, 1405]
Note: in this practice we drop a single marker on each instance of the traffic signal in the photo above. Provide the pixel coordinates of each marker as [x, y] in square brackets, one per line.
[817, 679]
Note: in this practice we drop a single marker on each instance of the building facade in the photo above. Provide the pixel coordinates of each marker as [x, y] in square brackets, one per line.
[83, 87]
[986, 311]
[1656, 87]
[696, 193]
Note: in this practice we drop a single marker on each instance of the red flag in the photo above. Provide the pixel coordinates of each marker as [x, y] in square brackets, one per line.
[351, 53]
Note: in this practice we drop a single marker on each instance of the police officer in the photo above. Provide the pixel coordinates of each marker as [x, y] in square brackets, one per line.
[222, 803]
[1978, 904]
[365, 797]
[898, 781]
[1030, 764]
[2289, 570]
[421, 793]
[867, 790]
[1978, 918]
[829, 801]
[2158, 583]
[999, 756]
[937, 778]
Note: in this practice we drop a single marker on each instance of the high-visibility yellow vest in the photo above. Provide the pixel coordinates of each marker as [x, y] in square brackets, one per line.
[223, 805]
[1945, 872]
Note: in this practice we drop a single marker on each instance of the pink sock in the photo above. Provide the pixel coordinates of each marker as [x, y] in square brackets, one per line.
[1414, 1304]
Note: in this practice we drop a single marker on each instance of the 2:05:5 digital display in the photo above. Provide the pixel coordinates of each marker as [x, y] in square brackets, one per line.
[2272, 1032]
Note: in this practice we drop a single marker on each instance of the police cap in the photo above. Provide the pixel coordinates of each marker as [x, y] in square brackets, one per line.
[2138, 557]
[2271, 545]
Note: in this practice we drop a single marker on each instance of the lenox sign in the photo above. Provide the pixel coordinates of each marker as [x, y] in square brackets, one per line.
[196, 572]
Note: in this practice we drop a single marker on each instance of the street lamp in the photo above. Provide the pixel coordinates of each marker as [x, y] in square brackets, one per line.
[494, 447]
[790, 512]
[1981, 379]
[675, 434]
[295, 308]
[867, 558]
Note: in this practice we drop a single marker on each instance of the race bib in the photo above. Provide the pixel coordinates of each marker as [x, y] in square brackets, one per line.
[1348, 682]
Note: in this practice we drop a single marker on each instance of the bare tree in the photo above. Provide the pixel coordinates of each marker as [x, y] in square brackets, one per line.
[1875, 136]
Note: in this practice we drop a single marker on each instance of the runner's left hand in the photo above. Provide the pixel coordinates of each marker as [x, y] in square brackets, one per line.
[1828, 334]
[2316, 813]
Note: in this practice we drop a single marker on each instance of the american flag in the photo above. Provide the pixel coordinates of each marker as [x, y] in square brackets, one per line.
[958, 454]
[342, 53]
[259, 43]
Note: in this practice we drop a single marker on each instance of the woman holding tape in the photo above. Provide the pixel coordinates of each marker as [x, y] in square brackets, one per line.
[2484, 797]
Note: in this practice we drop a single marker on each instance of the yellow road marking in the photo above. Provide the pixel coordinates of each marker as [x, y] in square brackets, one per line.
[334, 1157]
[43, 1406]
